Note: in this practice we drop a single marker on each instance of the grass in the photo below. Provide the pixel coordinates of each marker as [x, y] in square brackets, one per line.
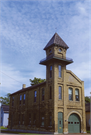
[3, 127]
[88, 131]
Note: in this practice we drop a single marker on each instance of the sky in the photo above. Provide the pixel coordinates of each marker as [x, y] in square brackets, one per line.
[27, 26]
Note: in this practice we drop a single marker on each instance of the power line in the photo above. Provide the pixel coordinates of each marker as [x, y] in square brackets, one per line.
[10, 77]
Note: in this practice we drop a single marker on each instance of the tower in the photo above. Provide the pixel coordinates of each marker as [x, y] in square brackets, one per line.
[56, 62]
[55, 54]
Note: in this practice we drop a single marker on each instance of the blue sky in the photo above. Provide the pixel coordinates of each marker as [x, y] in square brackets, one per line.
[25, 29]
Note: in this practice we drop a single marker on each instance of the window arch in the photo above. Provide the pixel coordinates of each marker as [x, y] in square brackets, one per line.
[70, 91]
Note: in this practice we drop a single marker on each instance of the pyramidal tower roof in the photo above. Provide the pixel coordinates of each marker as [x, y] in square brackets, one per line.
[56, 40]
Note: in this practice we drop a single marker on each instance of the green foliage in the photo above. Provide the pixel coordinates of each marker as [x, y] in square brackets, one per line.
[5, 100]
[3, 127]
[36, 81]
[88, 131]
[87, 99]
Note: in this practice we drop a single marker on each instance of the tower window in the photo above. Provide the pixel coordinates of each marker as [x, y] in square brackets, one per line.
[60, 50]
[76, 95]
[59, 67]
[50, 71]
[60, 92]
[35, 95]
[50, 50]
[70, 94]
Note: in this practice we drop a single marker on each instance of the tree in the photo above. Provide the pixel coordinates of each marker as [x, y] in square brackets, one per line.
[5, 100]
[36, 81]
[87, 99]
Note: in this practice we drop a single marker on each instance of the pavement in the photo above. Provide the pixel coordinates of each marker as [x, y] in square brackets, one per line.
[47, 134]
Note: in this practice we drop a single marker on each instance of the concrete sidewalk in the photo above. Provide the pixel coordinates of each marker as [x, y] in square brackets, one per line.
[46, 134]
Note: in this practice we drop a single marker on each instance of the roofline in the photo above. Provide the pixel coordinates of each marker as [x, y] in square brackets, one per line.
[28, 88]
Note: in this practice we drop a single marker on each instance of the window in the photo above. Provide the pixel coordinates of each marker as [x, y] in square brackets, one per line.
[24, 97]
[22, 119]
[12, 101]
[35, 95]
[59, 67]
[50, 50]
[42, 94]
[50, 71]
[50, 92]
[19, 119]
[34, 119]
[20, 99]
[60, 92]
[29, 118]
[60, 50]
[70, 94]
[50, 120]
[76, 95]
[42, 121]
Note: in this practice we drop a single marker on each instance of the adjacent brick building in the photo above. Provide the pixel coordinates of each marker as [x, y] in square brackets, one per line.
[57, 105]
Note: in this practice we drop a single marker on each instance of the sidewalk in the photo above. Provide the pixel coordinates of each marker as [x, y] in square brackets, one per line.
[44, 134]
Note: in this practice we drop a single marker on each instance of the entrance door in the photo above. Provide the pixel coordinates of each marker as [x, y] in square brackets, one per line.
[74, 123]
[60, 122]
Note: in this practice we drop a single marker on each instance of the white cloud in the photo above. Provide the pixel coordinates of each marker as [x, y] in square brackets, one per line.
[27, 29]
[82, 70]
[11, 79]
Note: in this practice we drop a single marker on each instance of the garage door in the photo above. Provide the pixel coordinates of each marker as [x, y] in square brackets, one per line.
[74, 123]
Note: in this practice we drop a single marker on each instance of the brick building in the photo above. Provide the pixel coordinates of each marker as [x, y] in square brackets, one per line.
[57, 105]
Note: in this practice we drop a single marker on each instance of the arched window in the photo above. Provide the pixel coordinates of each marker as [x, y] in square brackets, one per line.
[70, 91]
[59, 68]
[50, 50]
[76, 94]
[60, 49]
[60, 92]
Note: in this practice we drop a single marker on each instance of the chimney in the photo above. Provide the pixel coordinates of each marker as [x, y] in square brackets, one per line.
[24, 86]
